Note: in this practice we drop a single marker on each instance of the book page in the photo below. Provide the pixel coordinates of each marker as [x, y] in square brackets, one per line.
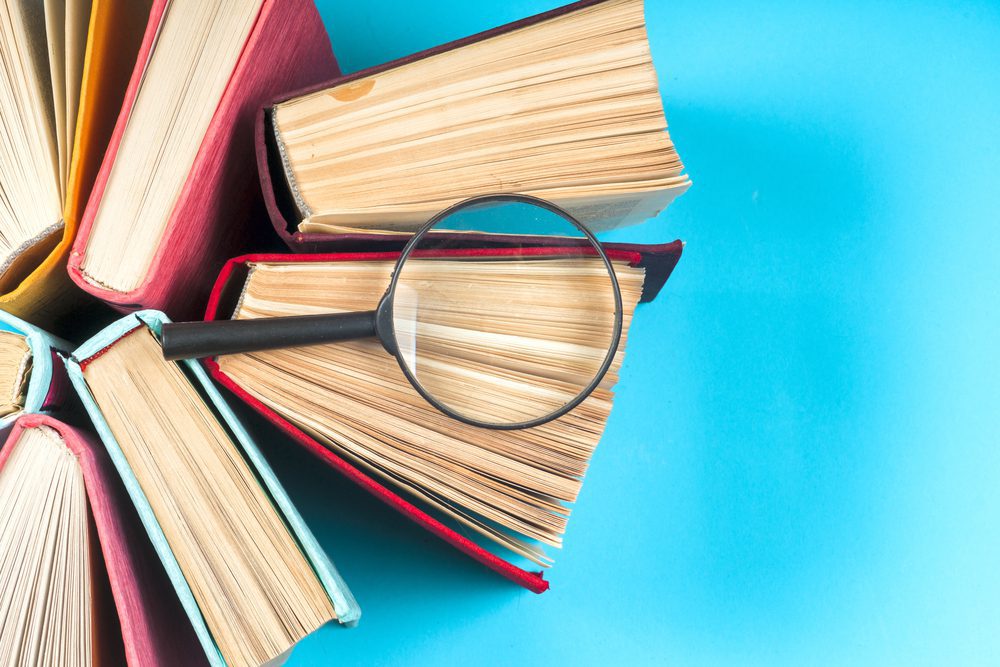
[46, 569]
[30, 34]
[508, 487]
[254, 587]
[566, 109]
[15, 371]
[30, 176]
[77, 24]
[55, 28]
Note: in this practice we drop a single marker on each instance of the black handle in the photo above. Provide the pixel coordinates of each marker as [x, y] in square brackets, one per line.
[193, 340]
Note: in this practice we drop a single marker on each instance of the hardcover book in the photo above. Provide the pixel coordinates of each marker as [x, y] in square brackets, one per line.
[66, 67]
[70, 536]
[32, 376]
[564, 106]
[499, 496]
[176, 192]
[249, 574]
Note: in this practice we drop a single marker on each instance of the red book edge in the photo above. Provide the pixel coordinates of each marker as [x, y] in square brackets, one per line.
[667, 256]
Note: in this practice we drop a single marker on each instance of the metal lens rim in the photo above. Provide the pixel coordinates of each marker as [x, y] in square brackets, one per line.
[387, 331]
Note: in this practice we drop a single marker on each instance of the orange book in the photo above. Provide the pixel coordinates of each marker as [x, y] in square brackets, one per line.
[78, 57]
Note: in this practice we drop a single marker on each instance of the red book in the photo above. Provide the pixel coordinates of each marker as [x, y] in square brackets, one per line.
[658, 262]
[219, 209]
[138, 619]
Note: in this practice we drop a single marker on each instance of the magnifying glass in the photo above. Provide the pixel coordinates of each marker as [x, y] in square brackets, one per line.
[510, 338]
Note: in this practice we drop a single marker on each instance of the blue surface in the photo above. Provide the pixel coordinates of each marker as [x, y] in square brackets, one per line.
[802, 467]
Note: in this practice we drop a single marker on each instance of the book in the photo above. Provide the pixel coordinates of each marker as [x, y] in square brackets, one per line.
[32, 375]
[498, 496]
[176, 192]
[564, 106]
[248, 572]
[66, 68]
[69, 536]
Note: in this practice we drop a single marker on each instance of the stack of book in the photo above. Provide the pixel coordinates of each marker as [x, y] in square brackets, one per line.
[153, 153]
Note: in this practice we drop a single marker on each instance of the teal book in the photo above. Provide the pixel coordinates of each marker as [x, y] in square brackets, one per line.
[248, 571]
[32, 377]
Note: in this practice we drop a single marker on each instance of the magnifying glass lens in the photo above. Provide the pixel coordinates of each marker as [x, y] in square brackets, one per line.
[509, 338]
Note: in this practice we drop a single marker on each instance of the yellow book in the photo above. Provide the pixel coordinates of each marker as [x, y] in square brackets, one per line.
[71, 61]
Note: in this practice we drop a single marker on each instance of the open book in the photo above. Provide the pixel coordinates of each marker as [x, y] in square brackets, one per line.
[501, 496]
[564, 106]
[249, 573]
[32, 376]
[64, 66]
[81, 584]
[176, 192]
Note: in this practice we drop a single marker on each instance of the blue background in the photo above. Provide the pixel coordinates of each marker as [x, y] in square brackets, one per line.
[802, 466]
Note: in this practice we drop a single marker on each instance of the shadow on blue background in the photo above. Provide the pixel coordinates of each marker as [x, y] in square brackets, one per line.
[802, 465]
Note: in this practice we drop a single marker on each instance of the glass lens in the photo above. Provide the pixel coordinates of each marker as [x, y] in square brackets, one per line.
[499, 327]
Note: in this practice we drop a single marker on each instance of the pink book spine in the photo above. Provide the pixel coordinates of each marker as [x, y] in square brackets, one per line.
[220, 209]
[155, 632]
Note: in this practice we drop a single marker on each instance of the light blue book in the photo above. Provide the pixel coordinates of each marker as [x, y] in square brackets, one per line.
[41, 369]
[346, 608]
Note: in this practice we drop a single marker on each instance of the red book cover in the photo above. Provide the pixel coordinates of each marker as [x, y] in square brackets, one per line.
[659, 261]
[219, 210]
[154, 629]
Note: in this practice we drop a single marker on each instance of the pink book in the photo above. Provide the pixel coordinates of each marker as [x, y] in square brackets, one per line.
[142, 624]
[220, 210]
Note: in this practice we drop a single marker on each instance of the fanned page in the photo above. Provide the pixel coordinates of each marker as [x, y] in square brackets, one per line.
[196, 50]
[567, 109]
[254, 587]
[46, 559]
[31, 183]
[506, 487]
[45, 47]
[116, 31]
[15, 371]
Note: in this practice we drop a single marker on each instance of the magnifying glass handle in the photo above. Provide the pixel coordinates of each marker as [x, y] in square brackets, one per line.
[194, 340]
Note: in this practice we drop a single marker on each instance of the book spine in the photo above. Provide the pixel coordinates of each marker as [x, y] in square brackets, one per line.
[293, 186]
